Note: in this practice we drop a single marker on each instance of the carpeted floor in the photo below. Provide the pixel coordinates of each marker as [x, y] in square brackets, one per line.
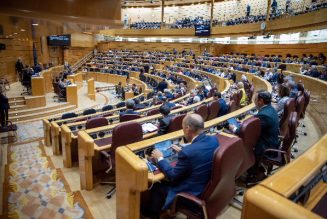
[35, 189]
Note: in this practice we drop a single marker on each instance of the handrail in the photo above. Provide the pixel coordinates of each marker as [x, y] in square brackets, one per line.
[82, 61]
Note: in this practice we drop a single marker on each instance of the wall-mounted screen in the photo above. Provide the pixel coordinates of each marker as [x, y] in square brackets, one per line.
[202, 30]
[59, 40]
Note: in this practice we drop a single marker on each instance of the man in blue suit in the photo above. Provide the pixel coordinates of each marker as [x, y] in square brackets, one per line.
[193, 168]
[223, 107]
[130, 104]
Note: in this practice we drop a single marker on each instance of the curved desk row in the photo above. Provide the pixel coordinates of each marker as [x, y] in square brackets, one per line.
[69, 130]
[88, 152]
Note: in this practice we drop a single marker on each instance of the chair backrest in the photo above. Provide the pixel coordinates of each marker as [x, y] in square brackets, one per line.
[123, 134]
[299, 105]
[107, 107]
[213, 110]
[288, 108]
[176, 123]
[232, 106]
[89, 111]
[287, 142]
[307, 96]
[96, 122]
[220, 189]
[128, 117]
[152, 112]
[249, 133]
[202, 110]
[240, 95]
[178, 95]
[176, 107]
[68, 115]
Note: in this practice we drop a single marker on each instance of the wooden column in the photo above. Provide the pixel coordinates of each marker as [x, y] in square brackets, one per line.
[211, 14]
[72, 96]
[162, 12]
[268, 10]
[91, 89]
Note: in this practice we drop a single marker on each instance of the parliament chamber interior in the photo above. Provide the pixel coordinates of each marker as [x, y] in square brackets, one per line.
[163, 109]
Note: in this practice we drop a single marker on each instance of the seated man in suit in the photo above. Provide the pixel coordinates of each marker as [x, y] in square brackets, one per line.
[223, 107]
[130, 104]
[162, 85]
[269, 123]
[165, 121]
[138, 104]
[166, 102]
[192, 171]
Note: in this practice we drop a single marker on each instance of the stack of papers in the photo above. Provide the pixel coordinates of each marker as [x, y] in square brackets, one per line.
[149, 127]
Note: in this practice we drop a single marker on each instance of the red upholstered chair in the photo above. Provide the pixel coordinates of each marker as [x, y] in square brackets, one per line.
[176, 123]
[239, 97]
[220, 189]
[152, 112]
[232, 106]
[282, 156]
[128, 117]
[122, 134]
[307, 96]
[176, 107]
[96, 122]
[283, 123]
[249, 133]
[178, 95]
[299, 106]
[213, 110]
[202, 110]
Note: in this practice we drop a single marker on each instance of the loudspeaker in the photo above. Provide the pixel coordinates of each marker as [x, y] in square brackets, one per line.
[2, 46]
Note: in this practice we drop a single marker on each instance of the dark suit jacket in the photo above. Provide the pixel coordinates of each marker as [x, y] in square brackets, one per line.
[4, 104]
[269, 123]
[162, 86]
[193, 169]
[223, 107]
[129, 111]
[164, 124]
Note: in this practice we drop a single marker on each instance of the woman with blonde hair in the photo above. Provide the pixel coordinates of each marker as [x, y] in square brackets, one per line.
[244, 99]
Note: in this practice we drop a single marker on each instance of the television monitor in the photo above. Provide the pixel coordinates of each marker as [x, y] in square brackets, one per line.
[59, 40]
[202, 30]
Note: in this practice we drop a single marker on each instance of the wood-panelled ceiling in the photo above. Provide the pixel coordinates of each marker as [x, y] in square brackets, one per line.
[157, 3]
[106, 12]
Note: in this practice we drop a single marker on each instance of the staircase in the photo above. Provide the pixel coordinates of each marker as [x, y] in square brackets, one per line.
[19, 112]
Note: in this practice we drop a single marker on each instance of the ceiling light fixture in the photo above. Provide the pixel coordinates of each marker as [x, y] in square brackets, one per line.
[35, 24]
[22, 30]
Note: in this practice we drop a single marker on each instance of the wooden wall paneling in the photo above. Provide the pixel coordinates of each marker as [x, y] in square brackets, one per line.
[276, 49]
[35, 101]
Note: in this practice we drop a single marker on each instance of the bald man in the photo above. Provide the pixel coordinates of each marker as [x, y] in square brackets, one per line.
[193, 168]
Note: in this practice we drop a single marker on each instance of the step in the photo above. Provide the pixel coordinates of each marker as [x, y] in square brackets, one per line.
[17, 102]
[43, 114]
[35, 110]
[16, 98]
[18, 107]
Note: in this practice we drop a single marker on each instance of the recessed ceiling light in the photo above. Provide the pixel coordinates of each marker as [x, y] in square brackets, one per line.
[22, 30]
[35, 24]
[15, 33]
[10, 35]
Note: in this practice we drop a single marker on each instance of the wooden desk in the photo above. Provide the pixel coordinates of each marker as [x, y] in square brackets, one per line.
[38, 86]
[129, 95]
[270, 199]
[72, 95]
[91, 89]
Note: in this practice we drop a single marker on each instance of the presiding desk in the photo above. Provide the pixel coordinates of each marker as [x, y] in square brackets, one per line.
[296, 191]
